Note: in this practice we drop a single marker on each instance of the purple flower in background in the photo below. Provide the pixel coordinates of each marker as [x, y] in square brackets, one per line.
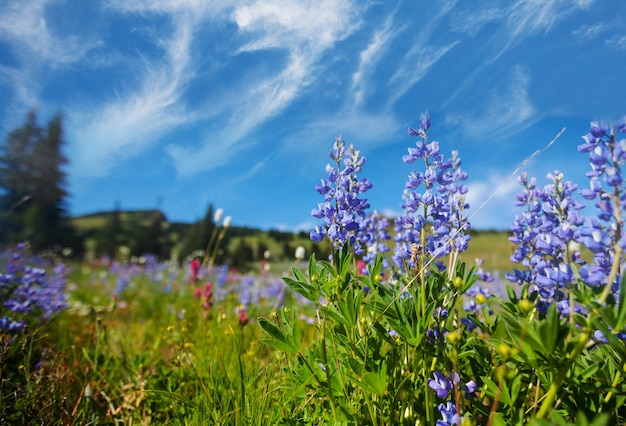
[448, 413]
[441, 384]
[469, 388]
[30, 293]
[375, 237]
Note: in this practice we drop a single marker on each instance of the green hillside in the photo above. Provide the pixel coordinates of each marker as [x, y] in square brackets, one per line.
[96, 221]
[492, 246]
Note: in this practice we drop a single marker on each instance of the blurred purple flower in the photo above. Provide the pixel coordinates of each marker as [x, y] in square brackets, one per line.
[448, 413]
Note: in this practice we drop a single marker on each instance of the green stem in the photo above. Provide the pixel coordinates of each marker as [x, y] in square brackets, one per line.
[329, 389]
[241, 372]
[556, 384]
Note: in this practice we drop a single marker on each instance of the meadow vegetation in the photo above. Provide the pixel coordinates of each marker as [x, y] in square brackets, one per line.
[396, 323]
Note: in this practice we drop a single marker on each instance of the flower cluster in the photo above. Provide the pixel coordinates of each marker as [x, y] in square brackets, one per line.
[376, 237]
[30, 294]
[343, 209]
[442, 386]
[543, 234]
[603, 233]
[434, 203]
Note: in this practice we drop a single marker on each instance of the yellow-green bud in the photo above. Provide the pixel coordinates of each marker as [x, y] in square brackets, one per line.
[457, 282]
[504, 350]
[480, 298]
[525, 305]
[453, 337]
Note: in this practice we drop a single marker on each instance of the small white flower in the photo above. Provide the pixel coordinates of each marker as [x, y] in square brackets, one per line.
[300, 252]
[218, 215]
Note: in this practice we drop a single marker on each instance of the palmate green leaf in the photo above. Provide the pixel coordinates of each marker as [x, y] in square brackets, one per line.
[349, 307]
[374, 382]
[516, 386]
[589, 371]
[313, 274]
[343, 260]
[299, 275]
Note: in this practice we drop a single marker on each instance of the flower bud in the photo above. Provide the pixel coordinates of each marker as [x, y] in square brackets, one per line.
[453, 337]
[480, 298]
[504, 350]
[525, 305]
[457, 282]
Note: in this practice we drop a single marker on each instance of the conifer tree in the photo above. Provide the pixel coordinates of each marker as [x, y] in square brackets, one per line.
[32, 180]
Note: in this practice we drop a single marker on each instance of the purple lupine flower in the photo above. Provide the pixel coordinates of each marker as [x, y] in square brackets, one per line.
[221, 276]
[375, 237]
[245, 292]
[448, 414]
[30, 293]
[469, 388]
[441, 384]
[606, 230]
[543, 235]
[434, 195]
[343, 209]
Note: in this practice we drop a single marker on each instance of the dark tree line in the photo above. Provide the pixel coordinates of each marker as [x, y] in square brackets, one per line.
[33, 184]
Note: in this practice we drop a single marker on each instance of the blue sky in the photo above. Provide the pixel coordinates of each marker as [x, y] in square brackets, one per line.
[179, 104]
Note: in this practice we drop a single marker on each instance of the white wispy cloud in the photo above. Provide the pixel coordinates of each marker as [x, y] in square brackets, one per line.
[471, 23]
[38, 50]
[515, 22]
[25, 26]
[588, 32]
[134, 120]
[423, 54]
[371, 56]
[618, 41]
[305, 30]
[306, 24]
[502, 111]
[491, 200]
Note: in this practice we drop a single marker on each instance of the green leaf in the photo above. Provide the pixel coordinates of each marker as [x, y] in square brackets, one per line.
[271, 329]
[302, 288]
[334, 315]
[376, 382]
[492, 390]
[312, 267]
[590, 371]
[287, 343]
[621, 309]
[511, 293]
[549, 329]
[515, 387]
